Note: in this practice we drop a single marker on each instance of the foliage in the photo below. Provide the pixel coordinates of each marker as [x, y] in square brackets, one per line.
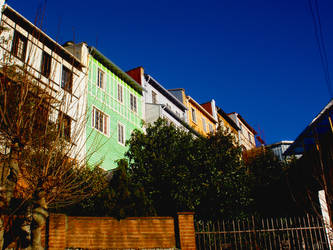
[225, 183]
[119, 198]
[270, 184]
[180, 172]
[264, 166]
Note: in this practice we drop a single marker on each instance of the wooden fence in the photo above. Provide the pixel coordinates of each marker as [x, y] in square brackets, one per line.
[265, 233]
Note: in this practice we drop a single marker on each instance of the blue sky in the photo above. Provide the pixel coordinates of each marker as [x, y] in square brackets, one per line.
[258, 58]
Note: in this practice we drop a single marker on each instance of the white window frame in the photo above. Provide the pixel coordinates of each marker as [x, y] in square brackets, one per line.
[105, 121]
[194, 115]
[133, 103]
[120, 93]
[121, 139]
[100, 78]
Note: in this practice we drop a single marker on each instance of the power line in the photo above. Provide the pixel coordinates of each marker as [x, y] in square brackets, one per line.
[314, 10]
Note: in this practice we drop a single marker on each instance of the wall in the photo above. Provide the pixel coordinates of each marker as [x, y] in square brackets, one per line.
[63, 232]
[162, 99]
[245, 135]
[106, 147]
[200, 114]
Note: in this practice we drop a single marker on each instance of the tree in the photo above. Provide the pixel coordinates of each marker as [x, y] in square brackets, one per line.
[120, 198]
[42, 163]
[270, 184]
[225, 189]
[180, 172]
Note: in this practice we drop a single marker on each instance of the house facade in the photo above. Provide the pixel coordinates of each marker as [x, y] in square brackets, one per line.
[159, 102]
[279, 148]
[246, 134]
[198, 117]
[114, 107]
[224, 120]
[51, 67]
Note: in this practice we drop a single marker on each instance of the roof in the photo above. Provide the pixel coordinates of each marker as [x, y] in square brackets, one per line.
[202, 109]
[280, 143]
[41, 36]
[164, 91]
[227, 118]
[115, 69]
[244, 122]
[306, 139]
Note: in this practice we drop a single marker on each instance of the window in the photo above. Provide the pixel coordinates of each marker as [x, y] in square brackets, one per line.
[250, 138]
[64, 122]
[194, 117]
[211, 128]
[154, 97]
[204, 124]
[19, 45]
[121, 134]
[120, 93]
[100, 121]
[46, 64]
[133, 103]
[100, 79]
[66, 79]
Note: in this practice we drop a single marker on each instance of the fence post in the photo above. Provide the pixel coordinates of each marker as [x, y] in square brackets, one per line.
[186, 230]
[56, 231]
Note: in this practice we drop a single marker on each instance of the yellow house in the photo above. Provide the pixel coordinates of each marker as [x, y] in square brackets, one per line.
[227, 122]
[224, 120]
[197, 117]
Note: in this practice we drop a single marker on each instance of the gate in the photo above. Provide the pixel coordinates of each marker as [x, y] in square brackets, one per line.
[262, 233]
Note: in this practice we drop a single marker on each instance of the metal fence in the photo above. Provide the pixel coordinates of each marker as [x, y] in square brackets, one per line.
[262, 233]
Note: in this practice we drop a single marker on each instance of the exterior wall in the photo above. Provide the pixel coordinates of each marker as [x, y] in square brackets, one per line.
[155, 111]
[162, 100]
[212, 109]
[72, 104]
[245, 135]
[102, 146]
[197, 123]
[279, 148]
[228, 127]
[199, 111]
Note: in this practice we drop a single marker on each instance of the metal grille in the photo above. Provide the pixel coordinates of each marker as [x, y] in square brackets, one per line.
[262, 233]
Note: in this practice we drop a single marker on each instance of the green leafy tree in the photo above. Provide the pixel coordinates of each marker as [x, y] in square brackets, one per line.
[269, 184]
[180, 172]
[225, 183]
[120, 198]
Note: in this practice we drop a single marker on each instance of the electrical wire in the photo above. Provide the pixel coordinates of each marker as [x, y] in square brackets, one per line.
[314, 10]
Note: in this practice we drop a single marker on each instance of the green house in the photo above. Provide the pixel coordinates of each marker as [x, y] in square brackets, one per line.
[114, 106]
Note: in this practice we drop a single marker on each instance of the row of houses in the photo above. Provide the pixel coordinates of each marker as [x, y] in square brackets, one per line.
[109, 102]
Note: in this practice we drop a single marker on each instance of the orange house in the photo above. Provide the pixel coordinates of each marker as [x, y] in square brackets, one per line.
[197, 117]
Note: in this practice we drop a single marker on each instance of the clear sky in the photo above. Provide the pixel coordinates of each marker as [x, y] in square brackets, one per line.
[258, 58]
